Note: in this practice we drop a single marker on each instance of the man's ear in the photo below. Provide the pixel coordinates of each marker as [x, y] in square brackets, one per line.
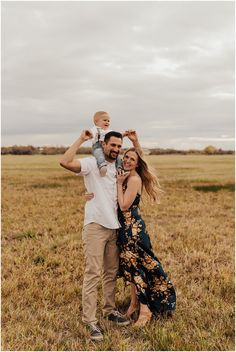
[103, 144]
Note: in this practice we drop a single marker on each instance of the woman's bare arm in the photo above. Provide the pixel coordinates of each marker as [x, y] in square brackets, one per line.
[126, 199]
[133, 137]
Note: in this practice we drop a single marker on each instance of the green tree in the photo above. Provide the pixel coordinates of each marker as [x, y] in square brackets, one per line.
[210, 150]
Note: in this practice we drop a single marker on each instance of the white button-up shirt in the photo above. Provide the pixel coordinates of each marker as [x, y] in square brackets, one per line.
[102, 209]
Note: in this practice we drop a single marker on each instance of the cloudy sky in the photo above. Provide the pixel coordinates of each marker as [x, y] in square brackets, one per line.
[165, 68]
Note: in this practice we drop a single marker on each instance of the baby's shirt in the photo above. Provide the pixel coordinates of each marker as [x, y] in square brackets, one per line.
[98, 134]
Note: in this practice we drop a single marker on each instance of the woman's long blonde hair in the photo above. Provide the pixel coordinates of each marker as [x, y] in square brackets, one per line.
[149, 179]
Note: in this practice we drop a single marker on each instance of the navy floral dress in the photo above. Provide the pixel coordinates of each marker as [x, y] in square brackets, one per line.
[139, 265]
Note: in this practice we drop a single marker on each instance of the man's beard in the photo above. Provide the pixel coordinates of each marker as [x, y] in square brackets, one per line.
[110, 156]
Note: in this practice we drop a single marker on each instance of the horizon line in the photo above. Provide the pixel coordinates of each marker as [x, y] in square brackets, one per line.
[149, 148]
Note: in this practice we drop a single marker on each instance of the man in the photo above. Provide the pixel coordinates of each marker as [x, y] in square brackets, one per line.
[99, 232]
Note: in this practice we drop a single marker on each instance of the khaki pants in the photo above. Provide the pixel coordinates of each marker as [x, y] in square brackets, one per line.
[101, 255]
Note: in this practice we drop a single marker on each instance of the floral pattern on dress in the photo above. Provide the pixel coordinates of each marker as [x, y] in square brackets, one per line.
[139, 265]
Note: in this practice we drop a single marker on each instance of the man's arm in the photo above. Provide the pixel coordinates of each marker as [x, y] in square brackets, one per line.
[67, 160]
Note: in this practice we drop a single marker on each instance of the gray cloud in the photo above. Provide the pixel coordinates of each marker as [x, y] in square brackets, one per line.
[163, 68]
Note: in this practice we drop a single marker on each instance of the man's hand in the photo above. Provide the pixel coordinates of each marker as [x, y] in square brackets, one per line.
[86, 135]
[88, 196]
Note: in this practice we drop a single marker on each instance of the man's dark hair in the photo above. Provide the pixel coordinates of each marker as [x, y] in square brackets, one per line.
[112, 134]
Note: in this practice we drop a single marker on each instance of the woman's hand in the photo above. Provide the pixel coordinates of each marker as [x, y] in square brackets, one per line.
[88, 196]
[132, 135]
[122, 176]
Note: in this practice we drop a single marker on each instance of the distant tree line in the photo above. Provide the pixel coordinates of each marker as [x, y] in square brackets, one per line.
[209, 150]
[30, 150]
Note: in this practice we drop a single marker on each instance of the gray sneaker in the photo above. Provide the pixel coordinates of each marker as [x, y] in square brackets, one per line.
[118, 318]
[95, 332]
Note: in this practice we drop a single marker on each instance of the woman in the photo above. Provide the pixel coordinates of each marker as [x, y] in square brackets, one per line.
[151, 289]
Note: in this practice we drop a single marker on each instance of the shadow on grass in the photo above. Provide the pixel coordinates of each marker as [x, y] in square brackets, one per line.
[67, 177]
[215, 188]
[46, 185]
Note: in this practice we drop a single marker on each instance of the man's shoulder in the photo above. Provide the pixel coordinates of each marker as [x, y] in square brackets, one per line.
[90, 160]
[87, 158]
[88, 165]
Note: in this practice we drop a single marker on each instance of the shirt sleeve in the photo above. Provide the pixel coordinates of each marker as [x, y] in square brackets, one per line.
[94, 132]
[87, 165]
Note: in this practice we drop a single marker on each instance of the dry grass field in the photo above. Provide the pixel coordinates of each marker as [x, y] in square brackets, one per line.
[192, 231]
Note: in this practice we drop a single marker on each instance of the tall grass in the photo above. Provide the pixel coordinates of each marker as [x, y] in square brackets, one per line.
[192, 232]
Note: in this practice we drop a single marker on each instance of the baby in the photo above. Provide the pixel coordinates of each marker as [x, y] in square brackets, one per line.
[101, 121]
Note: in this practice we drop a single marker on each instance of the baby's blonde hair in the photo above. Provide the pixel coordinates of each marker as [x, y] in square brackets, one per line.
[98, 115]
